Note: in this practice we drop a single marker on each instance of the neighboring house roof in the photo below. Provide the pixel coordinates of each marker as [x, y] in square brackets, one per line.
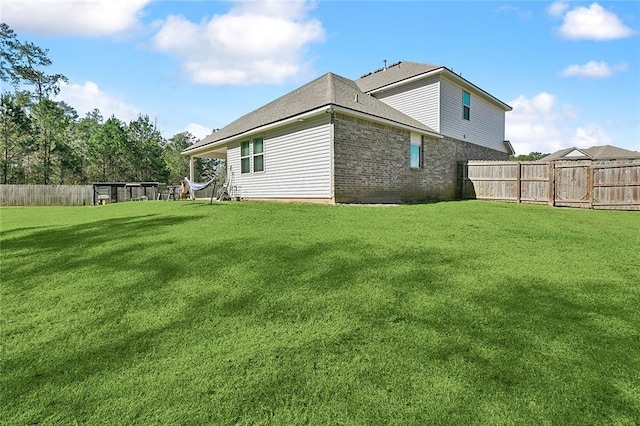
[604, 152]
[408, 71]
[330, 90]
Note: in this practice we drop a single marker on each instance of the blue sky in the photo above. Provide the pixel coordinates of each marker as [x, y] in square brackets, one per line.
[570, 70]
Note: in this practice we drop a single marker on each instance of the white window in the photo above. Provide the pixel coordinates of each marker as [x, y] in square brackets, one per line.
[258, 155]
[466, 105]
[252, 153]
[416, 151]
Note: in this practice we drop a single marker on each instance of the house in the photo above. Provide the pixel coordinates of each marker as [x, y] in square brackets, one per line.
[394, 135]
[600, 153]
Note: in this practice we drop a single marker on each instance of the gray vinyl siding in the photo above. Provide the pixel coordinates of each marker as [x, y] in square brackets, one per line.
[297, 163]
[486, 124]
[419, 99]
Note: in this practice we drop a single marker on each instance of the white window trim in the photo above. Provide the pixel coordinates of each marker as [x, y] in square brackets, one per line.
[416, 140]
[467, 106]
[254, 155]
[251, 156]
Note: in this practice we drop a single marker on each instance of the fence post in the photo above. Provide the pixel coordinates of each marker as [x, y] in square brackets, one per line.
[552, 184]
[590, 185]
[519, 182]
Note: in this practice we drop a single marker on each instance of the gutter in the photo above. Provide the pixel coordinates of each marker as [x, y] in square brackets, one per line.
[259, 129]
[301, 117]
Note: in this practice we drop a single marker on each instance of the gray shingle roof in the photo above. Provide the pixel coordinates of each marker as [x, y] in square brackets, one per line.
[561, 153]
[609, 152]
[328, 90]
[603, 152]
[393, 74]
[402, 71]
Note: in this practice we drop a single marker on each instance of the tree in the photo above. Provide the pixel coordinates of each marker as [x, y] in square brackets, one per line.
[43, 141]
[31, 131]
[16, 124]
[53, 122]
[85, 129]
[532, 156]
[8, 53]
[23, 63]
[145, 151]
[176, 163]
[106, 151]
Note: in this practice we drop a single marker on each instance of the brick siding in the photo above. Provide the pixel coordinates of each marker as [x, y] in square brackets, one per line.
[371, 163]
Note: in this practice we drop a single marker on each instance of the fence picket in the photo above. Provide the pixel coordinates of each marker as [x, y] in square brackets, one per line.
[584, 183]
[46, 195]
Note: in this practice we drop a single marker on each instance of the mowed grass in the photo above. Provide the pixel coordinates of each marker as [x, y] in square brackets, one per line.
[245, 313]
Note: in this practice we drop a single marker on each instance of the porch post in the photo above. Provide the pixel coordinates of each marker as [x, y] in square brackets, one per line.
[191, 168]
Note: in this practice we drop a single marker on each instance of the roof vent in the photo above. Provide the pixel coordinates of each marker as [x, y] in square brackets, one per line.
[385, 64]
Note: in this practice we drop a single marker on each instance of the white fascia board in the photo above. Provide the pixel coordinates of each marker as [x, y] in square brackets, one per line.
[369, 117]
[452, 76]
[509, 147]
[261, 129]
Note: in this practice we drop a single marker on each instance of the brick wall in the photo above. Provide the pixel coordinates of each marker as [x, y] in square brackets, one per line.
[371, 163]
[441, 157]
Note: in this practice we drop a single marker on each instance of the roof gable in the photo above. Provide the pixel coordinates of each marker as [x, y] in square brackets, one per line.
[604, 152]
[576, 153]
[328, 90]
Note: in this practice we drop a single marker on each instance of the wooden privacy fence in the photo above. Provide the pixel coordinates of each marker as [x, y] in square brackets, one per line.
[81, 195]
[584, 183]
[46, 195]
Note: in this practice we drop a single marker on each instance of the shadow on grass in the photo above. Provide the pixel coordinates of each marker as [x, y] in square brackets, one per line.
[326, 330]
[107, 245]
[251, 282]
[568, 349]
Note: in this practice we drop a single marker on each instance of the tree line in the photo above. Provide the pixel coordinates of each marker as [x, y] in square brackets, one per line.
[44, 141]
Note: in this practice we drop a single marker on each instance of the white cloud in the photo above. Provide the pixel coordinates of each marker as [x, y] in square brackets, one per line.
[590, 135]
[534, 125]
[523, 15]
[254, 43]
[593, 69]
[198, 130]
[557, 8]
[593, 23]
[77, 17]
[540, 124]
[88, 97]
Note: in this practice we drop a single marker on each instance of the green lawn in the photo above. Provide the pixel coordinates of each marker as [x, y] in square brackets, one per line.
[243, 313]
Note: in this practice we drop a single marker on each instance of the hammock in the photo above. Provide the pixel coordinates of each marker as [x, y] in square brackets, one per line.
[198, 186]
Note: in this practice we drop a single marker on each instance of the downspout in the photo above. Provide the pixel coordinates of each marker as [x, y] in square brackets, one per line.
[332, 180]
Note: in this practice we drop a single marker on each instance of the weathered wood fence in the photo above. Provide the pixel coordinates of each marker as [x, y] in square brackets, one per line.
[582, 184]
[46, 195]
[72, 195]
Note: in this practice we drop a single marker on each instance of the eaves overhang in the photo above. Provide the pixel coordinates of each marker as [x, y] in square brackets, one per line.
[201, 149]
[243, 135]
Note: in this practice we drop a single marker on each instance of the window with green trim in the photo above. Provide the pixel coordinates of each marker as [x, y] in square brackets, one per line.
[258, 155]
[466, 105]
[252, 154]
[245, 158]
